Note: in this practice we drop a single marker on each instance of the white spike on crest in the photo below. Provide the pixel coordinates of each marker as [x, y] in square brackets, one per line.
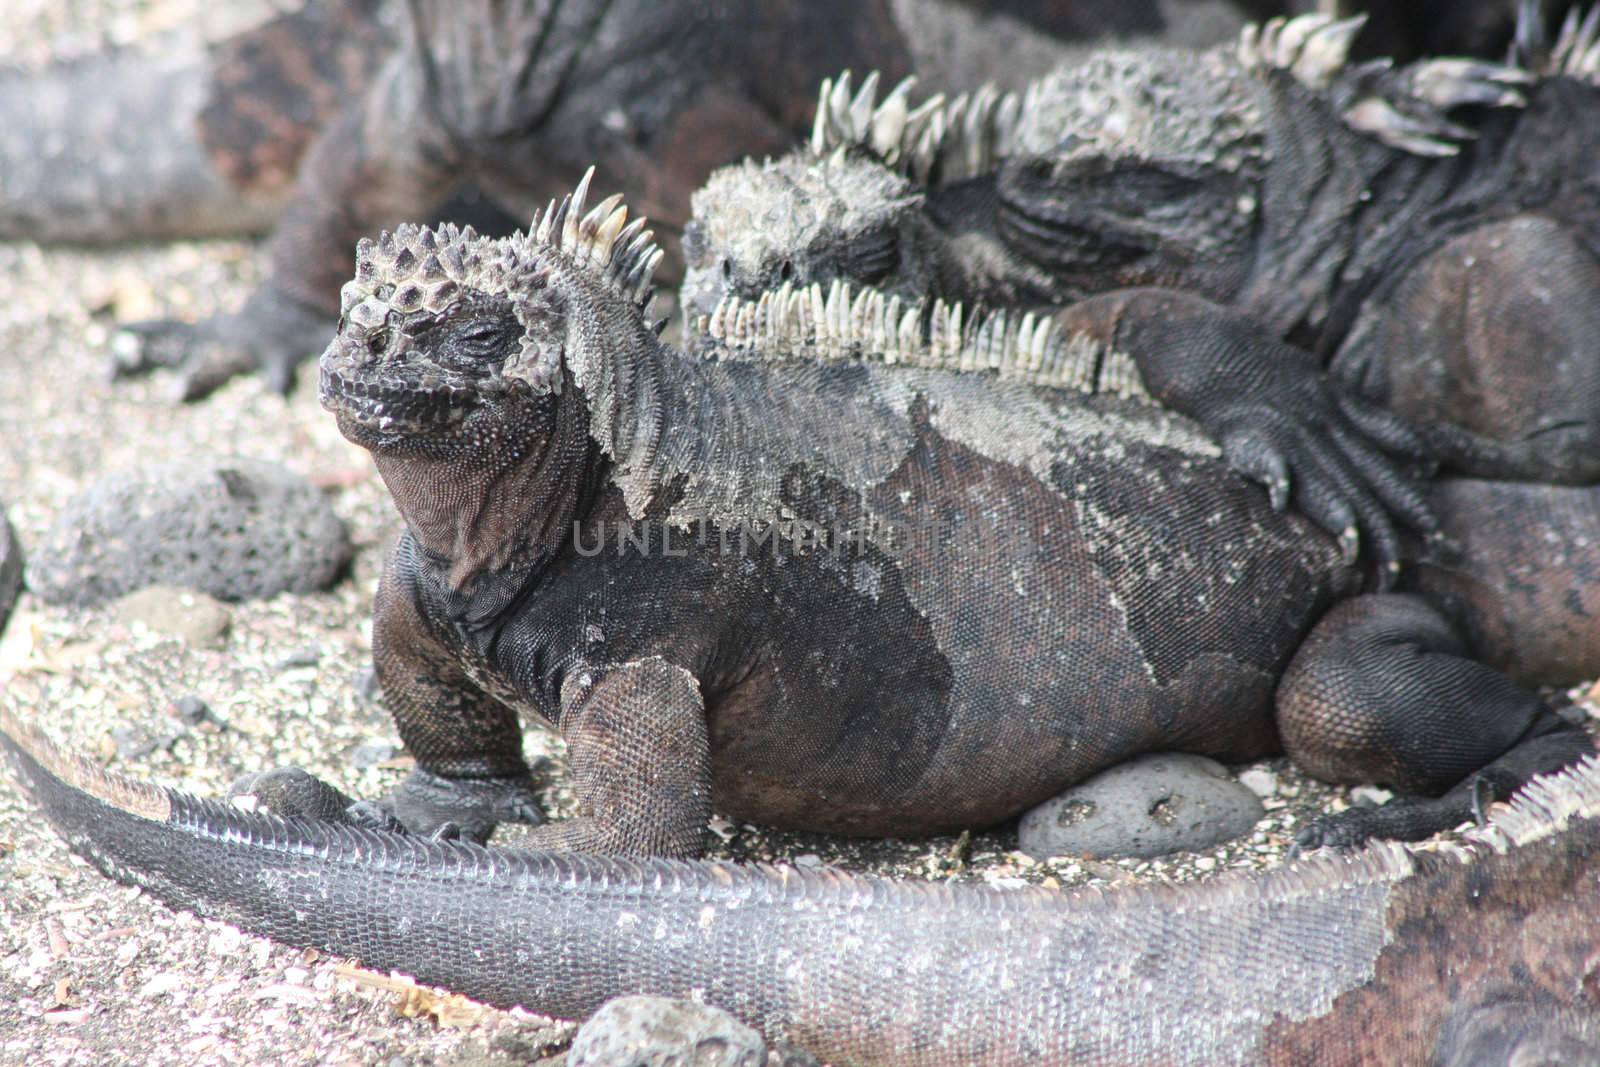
[569, 227]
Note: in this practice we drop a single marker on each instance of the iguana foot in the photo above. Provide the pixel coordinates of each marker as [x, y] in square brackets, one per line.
[1412, 818]
[427, 803]
[271, 334]
[291, 792]
[1402, 819]
[1341, 461]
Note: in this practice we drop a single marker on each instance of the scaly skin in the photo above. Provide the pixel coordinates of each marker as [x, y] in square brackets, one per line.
[1334, 962]
[1336, 207]
[777, 585]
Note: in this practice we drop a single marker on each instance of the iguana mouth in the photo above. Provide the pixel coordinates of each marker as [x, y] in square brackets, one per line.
[376, 410]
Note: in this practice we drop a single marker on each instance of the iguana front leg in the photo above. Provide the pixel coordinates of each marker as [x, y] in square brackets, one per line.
[1278, 419]
[641, 762]
[468, 745]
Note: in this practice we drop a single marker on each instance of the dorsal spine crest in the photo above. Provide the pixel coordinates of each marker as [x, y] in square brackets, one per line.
[853, 323]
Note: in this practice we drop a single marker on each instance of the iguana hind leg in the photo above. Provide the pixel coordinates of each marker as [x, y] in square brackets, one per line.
[1496, 332]
[1383, 690]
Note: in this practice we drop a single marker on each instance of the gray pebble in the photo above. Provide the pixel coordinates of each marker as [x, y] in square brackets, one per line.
[199, 620]
[306, 656]
[1146, 807]
[193, 711]
[238, 529]
[133, 743]
[661, 1032]
[10, 570]
[366, 685]
[371, 753]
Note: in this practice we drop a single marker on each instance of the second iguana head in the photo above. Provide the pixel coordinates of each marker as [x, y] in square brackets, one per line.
[1135, 167]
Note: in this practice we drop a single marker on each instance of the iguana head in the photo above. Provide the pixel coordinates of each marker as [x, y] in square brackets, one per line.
[802, 218]
[1136, 166]
[447, 340]
[850, 204]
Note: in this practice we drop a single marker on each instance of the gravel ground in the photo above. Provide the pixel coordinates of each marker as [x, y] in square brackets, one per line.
[94, 973]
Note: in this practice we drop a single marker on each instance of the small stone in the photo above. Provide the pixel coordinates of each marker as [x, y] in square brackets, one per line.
[1146, 807]
[365, 683]
[238, 529]
[1370, 796]
[198, 619]
[1260, 781]
[193, 711]
[131, 744]
[371, 753]
[307, 656]
[661, 1032]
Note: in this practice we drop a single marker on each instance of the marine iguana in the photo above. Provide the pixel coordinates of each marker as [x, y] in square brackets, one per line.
[1463, 955]
[1258, 178]
[843, 595]
[198, 137]
[377, 111]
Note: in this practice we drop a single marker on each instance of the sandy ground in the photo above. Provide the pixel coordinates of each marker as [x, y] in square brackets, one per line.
[94, 973]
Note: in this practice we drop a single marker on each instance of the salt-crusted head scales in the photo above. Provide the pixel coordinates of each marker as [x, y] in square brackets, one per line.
[417, 269]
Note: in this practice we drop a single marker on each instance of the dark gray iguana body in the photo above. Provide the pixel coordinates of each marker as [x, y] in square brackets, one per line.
[1459, 286]
[1016, 587]
[1390, 956]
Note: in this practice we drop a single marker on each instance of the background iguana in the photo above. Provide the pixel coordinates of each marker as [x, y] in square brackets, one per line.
[1423, 282]
[349, 115]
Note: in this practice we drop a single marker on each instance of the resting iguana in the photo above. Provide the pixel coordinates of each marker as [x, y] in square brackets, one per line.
[376, 111]
[1451, 958]
[1445, 271]
[843, 595]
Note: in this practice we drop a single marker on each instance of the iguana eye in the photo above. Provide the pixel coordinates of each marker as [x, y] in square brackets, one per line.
[480, 339]
[479, 333]
[872, 255]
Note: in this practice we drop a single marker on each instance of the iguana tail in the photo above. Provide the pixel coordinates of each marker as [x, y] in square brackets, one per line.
[1308, 965]
[187, 139]
[107, 149]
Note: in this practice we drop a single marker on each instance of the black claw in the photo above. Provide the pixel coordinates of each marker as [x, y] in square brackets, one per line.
[375, 815]
[1480, 803]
